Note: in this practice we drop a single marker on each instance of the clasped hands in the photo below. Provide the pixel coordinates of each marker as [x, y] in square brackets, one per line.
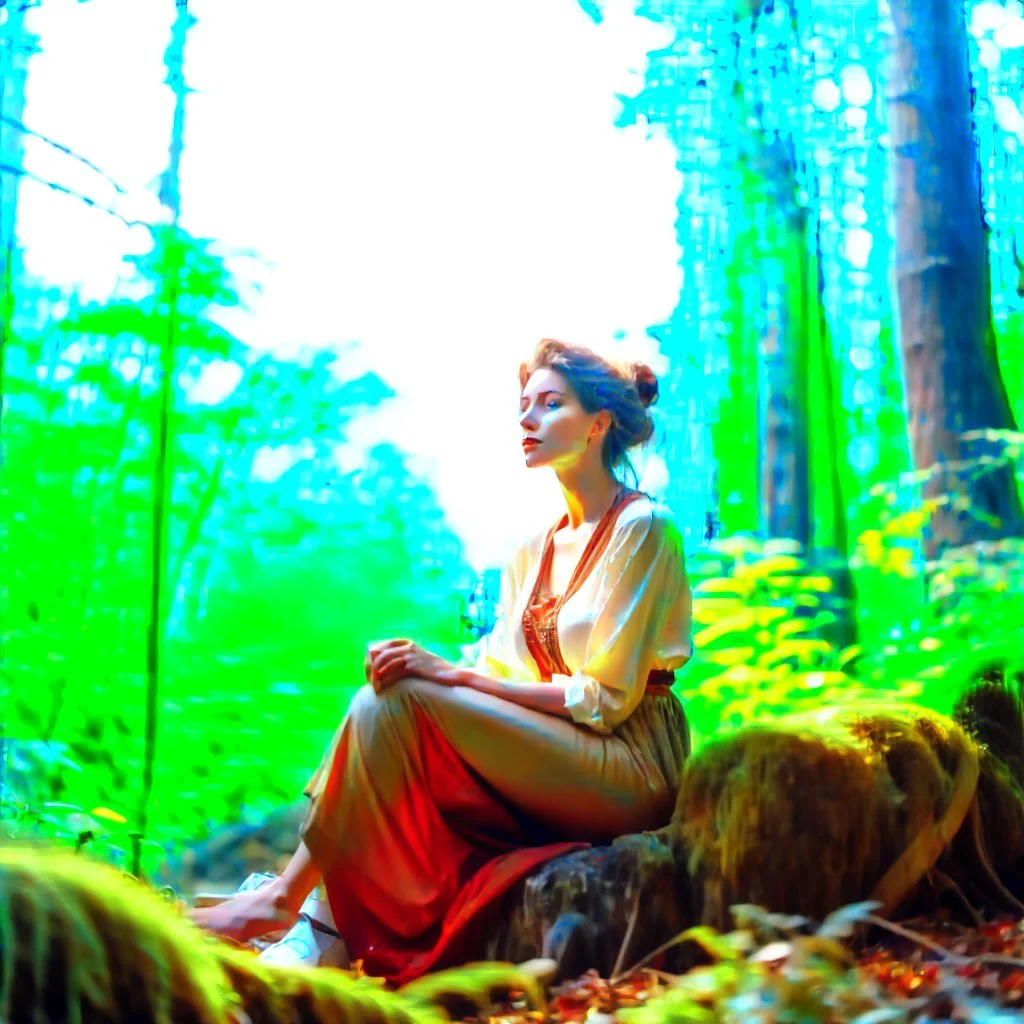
[387, 661]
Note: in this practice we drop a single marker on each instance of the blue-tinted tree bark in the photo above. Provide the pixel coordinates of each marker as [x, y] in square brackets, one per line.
[953, 383]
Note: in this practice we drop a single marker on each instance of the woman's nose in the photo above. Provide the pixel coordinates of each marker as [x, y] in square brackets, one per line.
[527, 421]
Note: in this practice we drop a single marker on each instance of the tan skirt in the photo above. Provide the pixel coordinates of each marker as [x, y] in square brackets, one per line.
[433, 801]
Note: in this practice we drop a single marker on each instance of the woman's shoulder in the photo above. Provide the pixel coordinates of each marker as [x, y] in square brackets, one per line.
[647, 511]
[649, 523]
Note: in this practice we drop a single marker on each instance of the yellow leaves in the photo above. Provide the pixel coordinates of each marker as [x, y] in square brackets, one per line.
[871, 542]
[849, 654]
[746, 621]
[906, 525]
[736, 547]
[879, 550]
[722, 585]
[775, 565]
[791, 626]
[1012, 437]
[822, 584]
[803, 650]
[900, 561]
[109, 815]
[930, 643]
[746, 675]
[816, 680]
[710, 610]
[728, 655]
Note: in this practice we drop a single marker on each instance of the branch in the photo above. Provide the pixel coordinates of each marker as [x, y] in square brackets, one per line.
[21, 173]
[22, 127]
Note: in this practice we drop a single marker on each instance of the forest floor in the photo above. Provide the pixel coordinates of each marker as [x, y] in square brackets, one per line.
[932, 972]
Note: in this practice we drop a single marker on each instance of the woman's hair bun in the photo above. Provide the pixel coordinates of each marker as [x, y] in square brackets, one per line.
[646, 383]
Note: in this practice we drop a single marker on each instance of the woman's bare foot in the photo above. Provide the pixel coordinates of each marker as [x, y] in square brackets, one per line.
[248, 914]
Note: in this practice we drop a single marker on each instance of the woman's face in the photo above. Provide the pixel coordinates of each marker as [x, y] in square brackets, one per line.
[551, 414]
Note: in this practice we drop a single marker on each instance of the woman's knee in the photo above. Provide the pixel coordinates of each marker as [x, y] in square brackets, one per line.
[368, 703]
[364, 699]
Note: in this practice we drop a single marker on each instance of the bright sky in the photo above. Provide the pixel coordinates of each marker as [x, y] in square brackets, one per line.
[441, 182]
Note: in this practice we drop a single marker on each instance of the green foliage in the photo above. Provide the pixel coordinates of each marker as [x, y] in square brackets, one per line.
[277, 573]
[769, 624]
[1010, 349]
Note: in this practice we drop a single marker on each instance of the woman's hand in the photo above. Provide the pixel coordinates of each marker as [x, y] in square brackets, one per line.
[390, 660]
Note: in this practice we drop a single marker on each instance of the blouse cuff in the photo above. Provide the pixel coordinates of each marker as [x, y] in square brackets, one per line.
[583, 699]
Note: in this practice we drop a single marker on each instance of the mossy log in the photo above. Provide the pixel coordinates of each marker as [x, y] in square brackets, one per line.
[801, 816]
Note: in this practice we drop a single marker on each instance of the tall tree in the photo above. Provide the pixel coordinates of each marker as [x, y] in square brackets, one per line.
[170, 196]
[17, 44]
[953, 383]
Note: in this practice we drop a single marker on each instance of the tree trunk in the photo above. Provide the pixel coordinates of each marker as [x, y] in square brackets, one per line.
[863, 787]
[170, 196]
[16, 47]
[953, 384]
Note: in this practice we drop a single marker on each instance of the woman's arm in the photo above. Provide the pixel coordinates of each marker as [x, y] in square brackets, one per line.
[546, 697]
[389, 661]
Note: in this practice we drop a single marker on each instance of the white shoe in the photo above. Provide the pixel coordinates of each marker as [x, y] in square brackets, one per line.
[309, 944]
[211, 899]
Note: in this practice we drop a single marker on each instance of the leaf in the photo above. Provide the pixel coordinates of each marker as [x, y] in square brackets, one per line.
[881, 1015]
[747, 914]
[772, 953]
[823, 584]
[722, 585]
[849, 654]
[707, 611]
[778, 564]
[802, 650]
[728, 655]
[721, 947]
[842, 923]
[106, 812]
[479, 984]
[740, 623]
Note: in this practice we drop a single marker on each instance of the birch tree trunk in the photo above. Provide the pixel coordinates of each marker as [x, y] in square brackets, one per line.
[170, 196]
[17, 45]
[953, 384]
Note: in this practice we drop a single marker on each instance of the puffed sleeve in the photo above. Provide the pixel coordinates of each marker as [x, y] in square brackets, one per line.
[641, 620]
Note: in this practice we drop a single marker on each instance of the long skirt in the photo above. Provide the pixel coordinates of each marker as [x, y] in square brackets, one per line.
[433, 801]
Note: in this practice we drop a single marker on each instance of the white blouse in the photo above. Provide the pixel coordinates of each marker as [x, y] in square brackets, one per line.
[629, 616]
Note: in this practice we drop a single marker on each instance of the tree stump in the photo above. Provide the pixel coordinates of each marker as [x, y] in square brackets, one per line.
[801, 816]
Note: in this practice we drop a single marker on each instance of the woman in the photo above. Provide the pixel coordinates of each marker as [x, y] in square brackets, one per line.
[446, 785]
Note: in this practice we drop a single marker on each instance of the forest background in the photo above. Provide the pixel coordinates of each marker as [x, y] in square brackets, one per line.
[265, 280]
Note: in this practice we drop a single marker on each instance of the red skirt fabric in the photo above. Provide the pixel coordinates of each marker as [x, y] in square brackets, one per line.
[433, 802]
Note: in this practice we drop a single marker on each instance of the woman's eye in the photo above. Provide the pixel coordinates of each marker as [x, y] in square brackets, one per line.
[554, 405]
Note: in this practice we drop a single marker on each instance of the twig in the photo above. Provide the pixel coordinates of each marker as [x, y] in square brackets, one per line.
[674, 941]
[22, 173]
[629, 934]
[945, 954]
[945, 882]
[915, 937]
[22, 127]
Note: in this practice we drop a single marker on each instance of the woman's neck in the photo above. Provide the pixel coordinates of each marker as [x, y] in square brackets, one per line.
[587, 500]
